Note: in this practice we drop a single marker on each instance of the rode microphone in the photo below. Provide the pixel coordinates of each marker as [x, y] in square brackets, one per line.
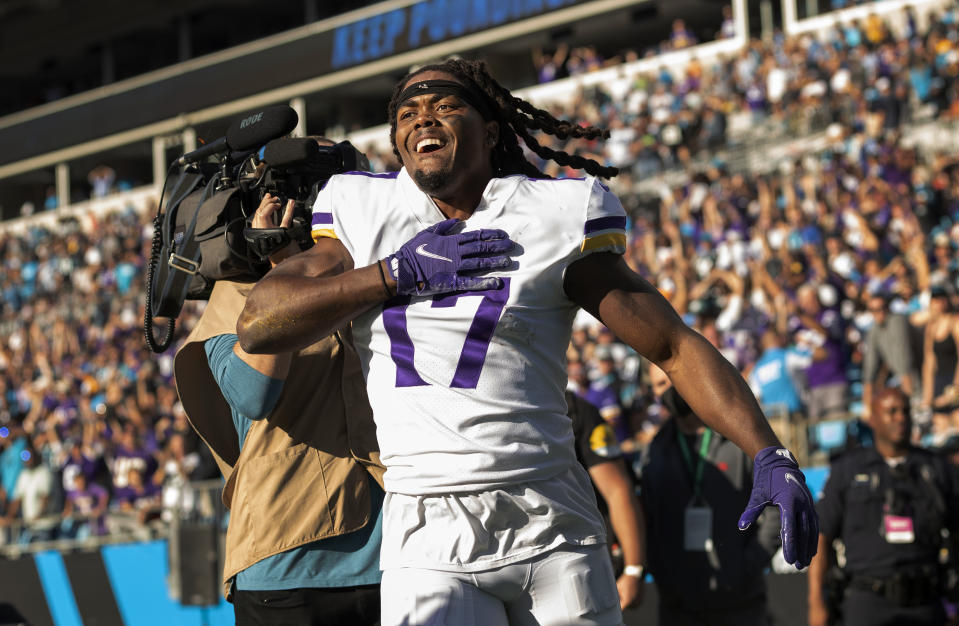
[259, 127]
[250, 132]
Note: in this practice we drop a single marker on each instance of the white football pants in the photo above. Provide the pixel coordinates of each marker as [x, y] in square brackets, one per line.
[568, 586]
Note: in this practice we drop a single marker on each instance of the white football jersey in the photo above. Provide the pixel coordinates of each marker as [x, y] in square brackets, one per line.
[467, 388]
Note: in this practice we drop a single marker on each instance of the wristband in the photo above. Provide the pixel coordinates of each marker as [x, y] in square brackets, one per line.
[636, 571]
[386, 287]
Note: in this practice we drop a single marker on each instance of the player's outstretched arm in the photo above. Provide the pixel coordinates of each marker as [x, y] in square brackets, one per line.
[634, 310]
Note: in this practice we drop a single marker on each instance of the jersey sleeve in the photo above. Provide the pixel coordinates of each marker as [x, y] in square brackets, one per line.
[330, 211]
[605, 225]
[322, 222]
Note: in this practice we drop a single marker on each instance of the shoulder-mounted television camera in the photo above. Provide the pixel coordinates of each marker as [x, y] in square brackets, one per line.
[202, 233]
[296, 168]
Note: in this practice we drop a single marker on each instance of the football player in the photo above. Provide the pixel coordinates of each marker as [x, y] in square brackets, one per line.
[461, 275]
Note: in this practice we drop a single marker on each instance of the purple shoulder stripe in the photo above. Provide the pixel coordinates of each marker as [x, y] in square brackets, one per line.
[552, 180]
[372, 175]
[322, 218]
[605, 223]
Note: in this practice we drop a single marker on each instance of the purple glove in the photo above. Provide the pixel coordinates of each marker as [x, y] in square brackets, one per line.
[435, 260]
[777, 480]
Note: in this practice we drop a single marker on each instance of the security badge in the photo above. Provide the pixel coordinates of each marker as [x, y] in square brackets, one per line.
[698, 528]
[698, 517]
[898, 529]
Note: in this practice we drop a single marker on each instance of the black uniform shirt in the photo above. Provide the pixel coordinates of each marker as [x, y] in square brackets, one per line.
[862, 488]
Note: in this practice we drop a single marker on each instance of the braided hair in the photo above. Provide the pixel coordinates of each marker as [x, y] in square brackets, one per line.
[515, 117]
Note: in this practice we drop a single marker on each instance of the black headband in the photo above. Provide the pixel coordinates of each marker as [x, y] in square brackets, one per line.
[448, 88]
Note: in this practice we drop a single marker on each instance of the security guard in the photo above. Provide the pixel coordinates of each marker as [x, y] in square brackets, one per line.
[888, 506]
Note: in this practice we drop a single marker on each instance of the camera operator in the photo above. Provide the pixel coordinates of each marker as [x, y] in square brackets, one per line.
[294, 438]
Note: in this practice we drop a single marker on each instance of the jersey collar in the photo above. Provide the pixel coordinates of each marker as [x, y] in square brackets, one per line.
[491, 206]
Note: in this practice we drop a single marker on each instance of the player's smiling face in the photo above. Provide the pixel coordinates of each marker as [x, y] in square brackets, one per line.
[442, 140]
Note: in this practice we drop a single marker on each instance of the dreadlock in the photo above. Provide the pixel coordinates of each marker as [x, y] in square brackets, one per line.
[512, 114]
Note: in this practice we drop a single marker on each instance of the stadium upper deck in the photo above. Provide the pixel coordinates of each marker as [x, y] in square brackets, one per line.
[337, 71]
[139, 124]
[52, 50]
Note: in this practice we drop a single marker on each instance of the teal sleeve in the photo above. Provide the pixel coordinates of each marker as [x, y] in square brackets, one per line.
[250, 394]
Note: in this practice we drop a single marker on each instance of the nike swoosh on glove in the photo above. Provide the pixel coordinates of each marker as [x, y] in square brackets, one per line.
[437, 260]
[777, 480]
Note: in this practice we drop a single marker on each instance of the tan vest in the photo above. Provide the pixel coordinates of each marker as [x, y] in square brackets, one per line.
[301, 475]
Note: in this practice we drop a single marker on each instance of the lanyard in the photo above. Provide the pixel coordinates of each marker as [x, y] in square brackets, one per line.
[696, 471]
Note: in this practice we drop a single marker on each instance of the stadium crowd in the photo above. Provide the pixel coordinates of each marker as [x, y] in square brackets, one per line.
[860, 73]
[786, 271]
[90, 434]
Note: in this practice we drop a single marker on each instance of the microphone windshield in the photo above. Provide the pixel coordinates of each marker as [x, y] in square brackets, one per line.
[288, 151]
[259, 127]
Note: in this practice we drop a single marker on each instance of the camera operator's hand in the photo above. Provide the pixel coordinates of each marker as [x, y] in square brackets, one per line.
[436, 260]
[266, 217]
